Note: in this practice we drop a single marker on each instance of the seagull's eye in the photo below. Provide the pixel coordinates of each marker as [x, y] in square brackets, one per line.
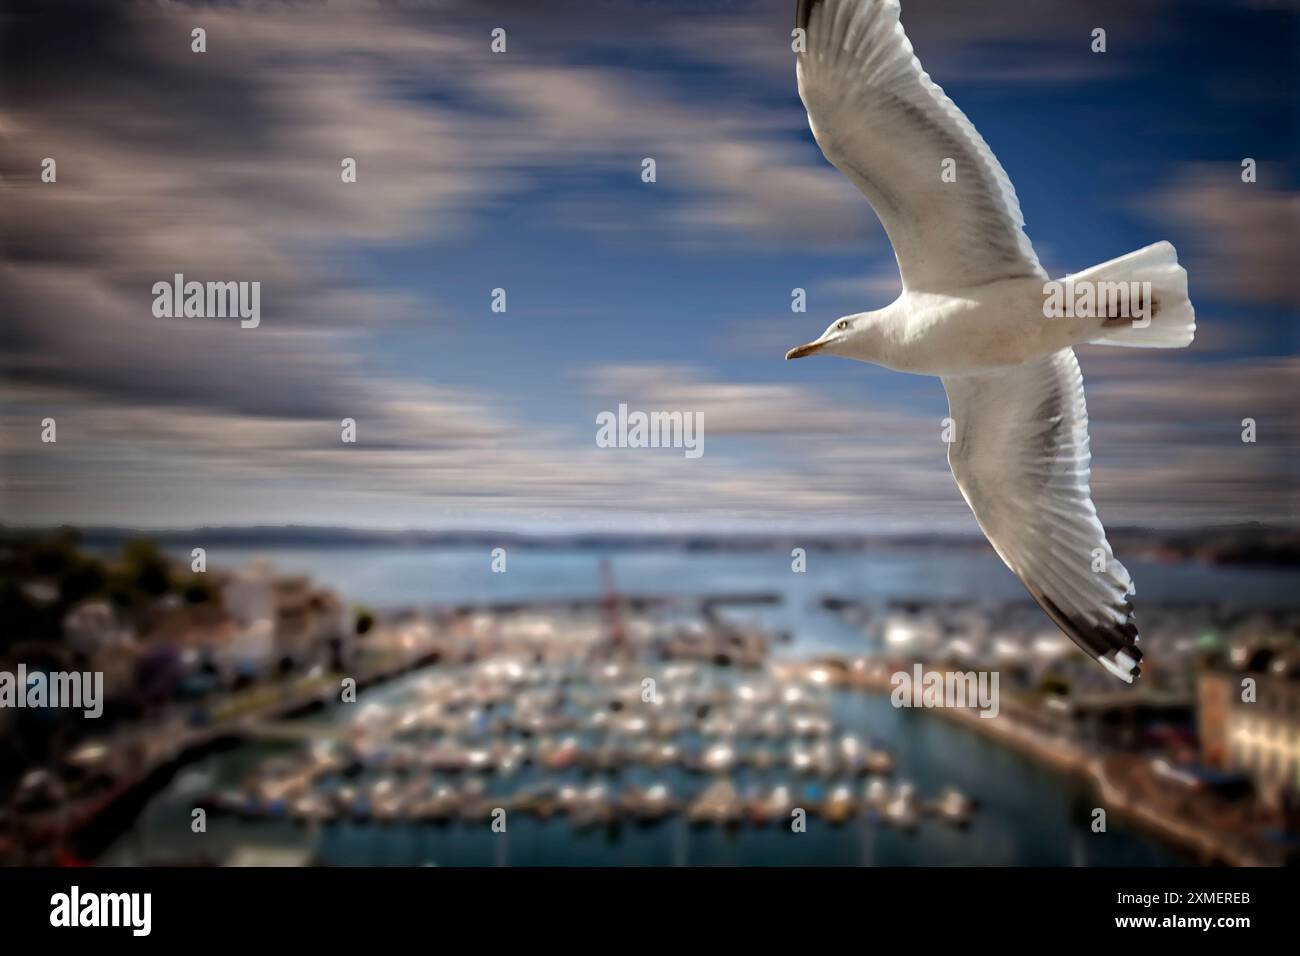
[842, 324]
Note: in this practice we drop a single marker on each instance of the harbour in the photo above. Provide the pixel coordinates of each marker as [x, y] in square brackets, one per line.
[535, 706]
[589, 772]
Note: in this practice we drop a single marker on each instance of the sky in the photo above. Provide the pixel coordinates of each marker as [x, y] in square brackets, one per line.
[522, 170]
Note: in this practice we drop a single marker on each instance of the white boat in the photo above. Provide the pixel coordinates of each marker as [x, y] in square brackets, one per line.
[649, 804]
[668, 755]
[825, 761]
[774, 806]
[594, 808]
[476, 804]
[718, 804]
[719, 758]
[954, 806]
[761, 757]
[801, 759]
[310, 808]
[880, 761]
[440, 805]
[386, 802]
[839, 804]
[875, 794]
[901, 810]
[561, 755]
[538, 799]
[853, 755]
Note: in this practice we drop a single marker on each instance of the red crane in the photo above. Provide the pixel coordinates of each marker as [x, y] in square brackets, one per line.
[613, 617]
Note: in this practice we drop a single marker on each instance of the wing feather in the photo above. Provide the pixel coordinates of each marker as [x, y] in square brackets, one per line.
[1021, 458]
[883, 123]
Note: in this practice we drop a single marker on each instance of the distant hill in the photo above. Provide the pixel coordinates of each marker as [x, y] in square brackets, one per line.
[1243, 544]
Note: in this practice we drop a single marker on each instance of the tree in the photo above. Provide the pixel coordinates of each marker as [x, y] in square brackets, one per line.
[365, 621]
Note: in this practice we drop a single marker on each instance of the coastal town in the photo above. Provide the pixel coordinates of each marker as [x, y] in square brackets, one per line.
[609, 709]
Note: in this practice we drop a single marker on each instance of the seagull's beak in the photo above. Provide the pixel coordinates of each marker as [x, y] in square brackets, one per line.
[812, 348]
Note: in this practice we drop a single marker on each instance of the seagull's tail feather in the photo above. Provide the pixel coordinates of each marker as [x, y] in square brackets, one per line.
[1159, 314]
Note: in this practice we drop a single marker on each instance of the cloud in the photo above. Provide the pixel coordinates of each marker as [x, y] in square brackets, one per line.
[881, 286]
[956, 40]
[1243, 236]
[1167, 437]
[729, 408]
[225, 166]
[775, 455]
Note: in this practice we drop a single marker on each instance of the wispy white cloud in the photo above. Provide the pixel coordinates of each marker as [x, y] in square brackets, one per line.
[1244, 236]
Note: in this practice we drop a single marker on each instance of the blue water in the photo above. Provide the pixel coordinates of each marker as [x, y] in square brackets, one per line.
[417, 576]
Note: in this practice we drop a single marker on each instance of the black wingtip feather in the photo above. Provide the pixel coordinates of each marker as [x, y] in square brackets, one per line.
[803, 11]
[1099, 640]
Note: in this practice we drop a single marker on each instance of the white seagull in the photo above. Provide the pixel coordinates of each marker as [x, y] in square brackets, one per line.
[978, 311]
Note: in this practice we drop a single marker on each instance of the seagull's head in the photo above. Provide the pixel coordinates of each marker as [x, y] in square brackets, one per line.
[853, 336]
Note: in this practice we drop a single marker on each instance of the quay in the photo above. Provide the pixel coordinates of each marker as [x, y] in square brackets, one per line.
[1122, 781]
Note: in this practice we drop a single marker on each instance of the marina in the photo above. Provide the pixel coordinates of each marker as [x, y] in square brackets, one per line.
[590, 744]
[692, 722]
[555, 739]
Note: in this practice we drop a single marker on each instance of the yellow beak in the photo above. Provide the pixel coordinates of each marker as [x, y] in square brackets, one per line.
[799, 351]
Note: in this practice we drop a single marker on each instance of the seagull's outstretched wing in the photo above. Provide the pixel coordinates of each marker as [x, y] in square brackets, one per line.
[889, 129]
[1020, 455]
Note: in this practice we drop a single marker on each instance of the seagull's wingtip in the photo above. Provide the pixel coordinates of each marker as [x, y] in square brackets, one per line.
[803, 11]
[1122, 664]
[1113, 644]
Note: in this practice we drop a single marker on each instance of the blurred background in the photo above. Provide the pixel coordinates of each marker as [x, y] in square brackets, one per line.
[516, 680]
[672, 700]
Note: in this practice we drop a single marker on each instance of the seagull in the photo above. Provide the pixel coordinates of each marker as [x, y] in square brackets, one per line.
[978, 311]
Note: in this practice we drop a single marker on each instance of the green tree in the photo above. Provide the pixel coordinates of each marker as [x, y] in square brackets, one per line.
[83, 578]
[197, 589]
[365, 621]
[146, 568]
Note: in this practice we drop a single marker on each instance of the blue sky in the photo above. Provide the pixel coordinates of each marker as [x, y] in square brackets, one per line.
[521, 170]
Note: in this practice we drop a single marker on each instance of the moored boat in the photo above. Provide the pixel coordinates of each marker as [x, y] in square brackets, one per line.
[718, 804]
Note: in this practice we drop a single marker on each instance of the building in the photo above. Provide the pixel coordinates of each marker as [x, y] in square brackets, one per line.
[1249, 717]
[287, 623]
